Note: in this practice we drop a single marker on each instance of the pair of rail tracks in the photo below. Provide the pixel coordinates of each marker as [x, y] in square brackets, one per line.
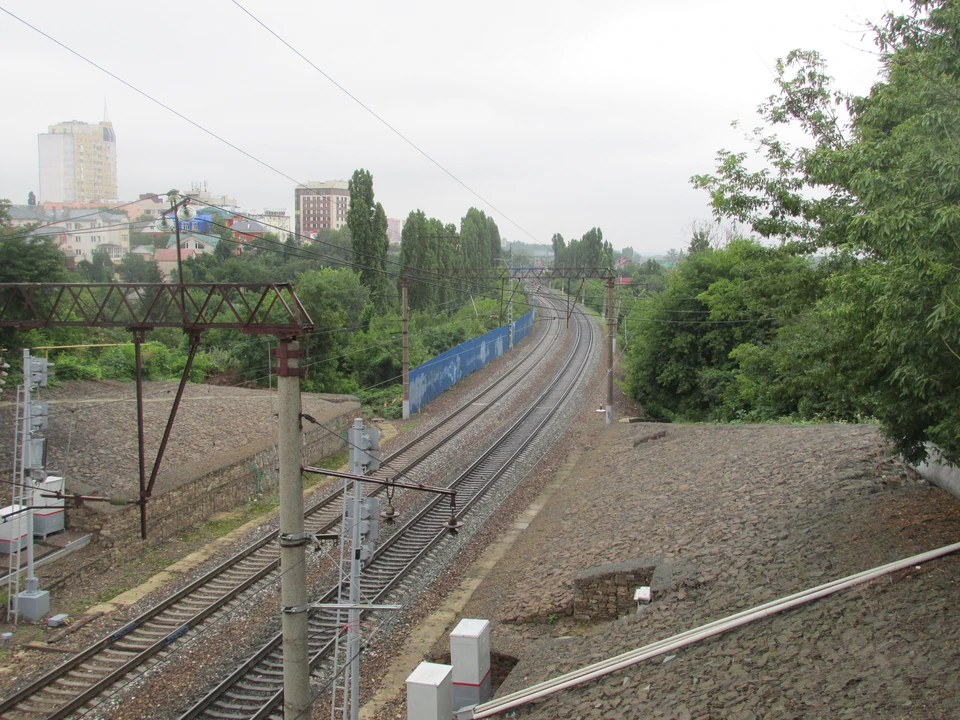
[81, 683]
[255, 690]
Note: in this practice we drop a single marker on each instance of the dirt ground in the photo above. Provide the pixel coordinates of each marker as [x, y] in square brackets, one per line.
[750, 514]
[753, 513]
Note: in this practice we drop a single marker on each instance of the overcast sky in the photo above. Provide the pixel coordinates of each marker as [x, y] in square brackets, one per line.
[561, 115]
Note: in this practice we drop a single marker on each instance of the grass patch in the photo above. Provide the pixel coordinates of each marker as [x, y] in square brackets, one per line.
[223, 523]
[332, 462]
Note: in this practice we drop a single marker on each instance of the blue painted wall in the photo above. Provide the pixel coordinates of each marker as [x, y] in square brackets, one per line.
[431, 378]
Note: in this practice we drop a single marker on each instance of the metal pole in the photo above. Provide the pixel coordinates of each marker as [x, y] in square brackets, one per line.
[194, 344]
[353, 618]
[293, 571]
[352, 683]
[138, 336]
[610, 339]
[406, 352]
[183, 292]
[510, 318]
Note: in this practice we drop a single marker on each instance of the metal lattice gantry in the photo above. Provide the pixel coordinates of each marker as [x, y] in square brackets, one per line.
[264, 308]
[517, 273]
[251, 308]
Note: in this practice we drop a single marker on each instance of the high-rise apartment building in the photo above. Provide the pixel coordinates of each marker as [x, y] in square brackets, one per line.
[78, 162]
[320, 206]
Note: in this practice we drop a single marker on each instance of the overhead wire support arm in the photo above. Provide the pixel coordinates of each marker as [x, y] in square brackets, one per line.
[378, 481]
[251, 308]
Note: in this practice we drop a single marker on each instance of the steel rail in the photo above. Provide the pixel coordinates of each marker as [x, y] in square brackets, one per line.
[469, 413]
[254, 689]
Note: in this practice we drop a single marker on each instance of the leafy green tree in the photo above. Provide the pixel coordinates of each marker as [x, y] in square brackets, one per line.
[680, 362]
[29, 260]
[876, 177]
[336, 244]
[135, 269]
[99, 269]
[368, 232]
[335, 299]
[559, 251]
[31, 199]
[419, 248]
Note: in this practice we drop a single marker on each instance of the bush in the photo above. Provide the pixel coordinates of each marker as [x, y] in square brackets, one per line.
[77, 367]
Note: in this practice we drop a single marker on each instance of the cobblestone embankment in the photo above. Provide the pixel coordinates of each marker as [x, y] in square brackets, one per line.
[742, 515]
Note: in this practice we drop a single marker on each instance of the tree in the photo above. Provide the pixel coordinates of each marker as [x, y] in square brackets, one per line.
[26, 259]
[877, 179]
[99, 269]
[559, 250]
[368, 231]
[31, 199]
[135, 269]
[715, 302]
[419, 248]
[227, 246]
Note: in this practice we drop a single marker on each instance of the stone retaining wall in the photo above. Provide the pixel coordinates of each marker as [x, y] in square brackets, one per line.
[606, 592]
[216, 488]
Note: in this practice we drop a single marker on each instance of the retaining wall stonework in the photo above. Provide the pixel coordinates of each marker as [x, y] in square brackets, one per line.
[216, 487]
[606, 592]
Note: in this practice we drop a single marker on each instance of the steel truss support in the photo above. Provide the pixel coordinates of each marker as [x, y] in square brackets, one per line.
[251, 308]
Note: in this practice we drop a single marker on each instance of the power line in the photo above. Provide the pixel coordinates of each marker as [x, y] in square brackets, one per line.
[74, 218]
[153, 99]
[391, 127]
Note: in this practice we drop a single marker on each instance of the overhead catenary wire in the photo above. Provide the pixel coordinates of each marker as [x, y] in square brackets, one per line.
[151, 98]
[390, 127]
[619, 662]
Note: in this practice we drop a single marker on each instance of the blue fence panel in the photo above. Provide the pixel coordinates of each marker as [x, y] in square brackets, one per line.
[431, 378]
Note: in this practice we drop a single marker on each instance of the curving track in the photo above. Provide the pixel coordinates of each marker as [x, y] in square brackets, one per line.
[255, 689]
[101, 668]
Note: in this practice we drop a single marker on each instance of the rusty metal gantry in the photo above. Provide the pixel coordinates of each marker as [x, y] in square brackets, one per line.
[517, 273]
[251, 308]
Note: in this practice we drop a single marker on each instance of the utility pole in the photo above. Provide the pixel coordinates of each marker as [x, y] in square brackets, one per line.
[406, 352]
[610, 340]
[293, 539]
[510, 318]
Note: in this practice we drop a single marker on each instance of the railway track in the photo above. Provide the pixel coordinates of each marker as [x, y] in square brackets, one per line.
[255, 689]
[79, 684]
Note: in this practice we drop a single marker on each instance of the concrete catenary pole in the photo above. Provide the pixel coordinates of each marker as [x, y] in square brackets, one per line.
[293, 570]
[610, 338]
[406, 352]
[353, 614]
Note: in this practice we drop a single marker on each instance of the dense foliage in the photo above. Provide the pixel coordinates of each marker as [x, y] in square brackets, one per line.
[875, 193]
[355, 346]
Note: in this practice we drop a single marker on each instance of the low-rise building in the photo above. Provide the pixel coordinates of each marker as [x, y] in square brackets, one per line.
[81, 231]
[275, 220]
[23, 215]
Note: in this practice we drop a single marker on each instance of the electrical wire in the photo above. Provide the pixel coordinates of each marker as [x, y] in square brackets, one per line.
[391, 127]
[302, 251]
[73, 218]
[151, 98]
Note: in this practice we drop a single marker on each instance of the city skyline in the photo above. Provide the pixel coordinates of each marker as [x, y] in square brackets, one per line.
[560, 121]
